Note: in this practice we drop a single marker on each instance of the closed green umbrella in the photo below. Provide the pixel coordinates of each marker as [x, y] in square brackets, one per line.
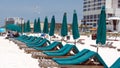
[24, 27]
[52, 26]
[64, 29]
[75, 30]
[35, 28]
[28, 26]
[45, 28]
[21, 25]
[101, 30]
[38, 26]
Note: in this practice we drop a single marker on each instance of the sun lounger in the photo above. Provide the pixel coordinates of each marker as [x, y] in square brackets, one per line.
[20, 37]
[37, 40]
[53, 46]
[27, 41]
[21, 41]
[33, 43]
[15, 40]
[88, 60]
[72, 57]
[116, 64]
[30, 40]
[40, 43]
[63, 52]
[108, 44]
[81, 41]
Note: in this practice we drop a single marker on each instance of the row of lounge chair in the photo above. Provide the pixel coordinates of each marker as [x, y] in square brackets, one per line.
[56, 54]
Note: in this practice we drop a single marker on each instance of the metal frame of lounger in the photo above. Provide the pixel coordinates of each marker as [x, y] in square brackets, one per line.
[108, 44]
[86, 62]
[49, 63]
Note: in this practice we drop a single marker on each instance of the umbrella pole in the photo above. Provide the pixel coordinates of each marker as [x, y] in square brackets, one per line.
[98, 47]
[50, 38]
[75, 42]
[61, 39]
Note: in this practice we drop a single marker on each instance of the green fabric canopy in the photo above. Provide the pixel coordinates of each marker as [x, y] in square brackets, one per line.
[101, 30]
[52, 26]
[75, 30]
[13, 27]
[64, 29]
[45, 28]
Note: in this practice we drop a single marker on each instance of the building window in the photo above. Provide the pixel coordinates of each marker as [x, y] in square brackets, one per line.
[98, 8]
[99, 0]
[85, 2]
[84, 9]
[88, 17]
[85, 6]
[91, 16]
[110, 15]
[118, 5]
[99, 3]
[85, 17]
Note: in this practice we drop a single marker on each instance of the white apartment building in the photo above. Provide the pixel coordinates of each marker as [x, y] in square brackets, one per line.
[92, 8]
[14, 20]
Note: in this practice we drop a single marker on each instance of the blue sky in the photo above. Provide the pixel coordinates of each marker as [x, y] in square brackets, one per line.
[31, 9]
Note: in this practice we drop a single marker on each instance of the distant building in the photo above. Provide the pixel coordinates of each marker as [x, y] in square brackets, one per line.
[14, 20]
[92, 8]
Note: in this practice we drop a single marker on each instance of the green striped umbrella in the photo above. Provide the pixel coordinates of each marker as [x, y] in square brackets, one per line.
[45, 28]
[101, 30]
[64, 29]
[52, 26]
[75, 30]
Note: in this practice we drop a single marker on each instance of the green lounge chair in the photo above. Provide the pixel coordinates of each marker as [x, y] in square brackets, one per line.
[42, 43]
[63, 52]
[39, 44]
[37, 40]
[116, 64]
[53, 46]
[72, 57]
[21, 41]
[84, 61]
[32, 43]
